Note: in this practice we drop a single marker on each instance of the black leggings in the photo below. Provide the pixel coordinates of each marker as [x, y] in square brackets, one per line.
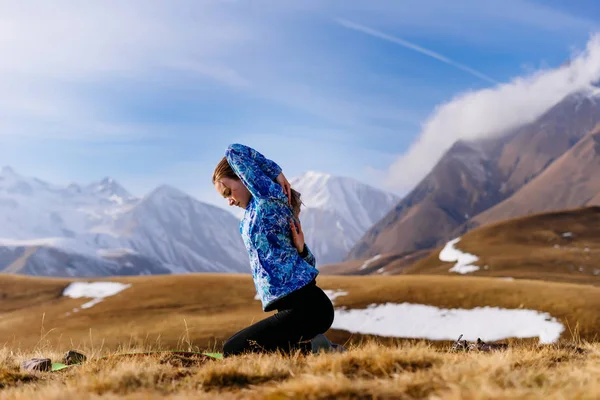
[300, 316]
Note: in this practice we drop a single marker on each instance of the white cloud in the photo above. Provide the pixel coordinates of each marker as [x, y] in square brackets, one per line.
[489, 112]
[61, 62]
[57, 58]
[88, 39]
[53, 51]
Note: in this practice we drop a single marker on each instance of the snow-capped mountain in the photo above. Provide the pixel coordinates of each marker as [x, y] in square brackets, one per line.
[174, 227]
[31, 208]
[101, 229]
[105, 228]
[50, 257]
[337, 211]
[109, 189]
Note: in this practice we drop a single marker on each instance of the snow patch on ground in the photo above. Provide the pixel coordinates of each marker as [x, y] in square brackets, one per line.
[423, 321]
[369, 261]
[463, 260]
[335, 294]
[97, 291]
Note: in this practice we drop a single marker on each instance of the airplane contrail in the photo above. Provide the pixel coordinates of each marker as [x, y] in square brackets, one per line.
[412, 46]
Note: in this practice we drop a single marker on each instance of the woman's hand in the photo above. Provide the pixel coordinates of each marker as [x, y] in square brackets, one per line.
[297, 235]
[287, 188]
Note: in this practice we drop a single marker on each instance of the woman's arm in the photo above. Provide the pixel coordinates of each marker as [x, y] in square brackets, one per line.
[308, 256]
[256, 172]
[298, 239]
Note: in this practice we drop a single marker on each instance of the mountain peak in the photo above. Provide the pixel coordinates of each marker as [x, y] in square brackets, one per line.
[7, 171]
[316, 174]
[165, 191]
[590, 93]
[338, 210]
[594, 91]
[312, 176]
[73, 188]
[166, 188]
[343, 194]
[111, 188]
[107, 180]
[319, 181]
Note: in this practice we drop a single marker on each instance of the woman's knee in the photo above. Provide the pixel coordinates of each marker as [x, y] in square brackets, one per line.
[326, 314]
[229, 347]
[320, 319]
[327, 318]
[235, 345]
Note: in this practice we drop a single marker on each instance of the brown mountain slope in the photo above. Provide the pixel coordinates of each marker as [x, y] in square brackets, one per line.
[384, 264]
[571, 181]
[558, 246]
[472, 177]
[461, 184]
[595, 199]
[535, 146]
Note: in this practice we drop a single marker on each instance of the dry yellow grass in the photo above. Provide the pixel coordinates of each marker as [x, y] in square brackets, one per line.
[201, 311]
[368, 371]
[197, 312]
[559, 246]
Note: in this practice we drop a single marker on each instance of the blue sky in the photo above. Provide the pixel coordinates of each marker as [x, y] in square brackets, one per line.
[152, 92]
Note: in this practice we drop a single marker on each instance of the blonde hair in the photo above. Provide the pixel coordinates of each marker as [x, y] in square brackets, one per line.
[224, 170]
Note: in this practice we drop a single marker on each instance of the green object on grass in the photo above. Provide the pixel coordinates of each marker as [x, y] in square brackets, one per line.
[59, 366]
[215, 355]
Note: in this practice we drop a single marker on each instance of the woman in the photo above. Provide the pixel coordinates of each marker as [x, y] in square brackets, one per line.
[283, 267]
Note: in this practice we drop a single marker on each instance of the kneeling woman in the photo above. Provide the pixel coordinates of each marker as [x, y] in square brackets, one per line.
[283, 267]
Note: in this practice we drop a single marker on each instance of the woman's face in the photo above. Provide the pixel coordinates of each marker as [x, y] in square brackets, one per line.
[234, 191]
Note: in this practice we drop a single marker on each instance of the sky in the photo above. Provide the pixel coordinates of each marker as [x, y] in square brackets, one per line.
[151, 92]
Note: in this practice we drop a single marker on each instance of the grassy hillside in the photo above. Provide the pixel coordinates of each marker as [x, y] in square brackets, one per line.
[203, 310]
[559, 246]
[409, 371]
[385, 264]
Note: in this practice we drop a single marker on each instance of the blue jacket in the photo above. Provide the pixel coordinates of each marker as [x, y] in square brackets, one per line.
[277, 267]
